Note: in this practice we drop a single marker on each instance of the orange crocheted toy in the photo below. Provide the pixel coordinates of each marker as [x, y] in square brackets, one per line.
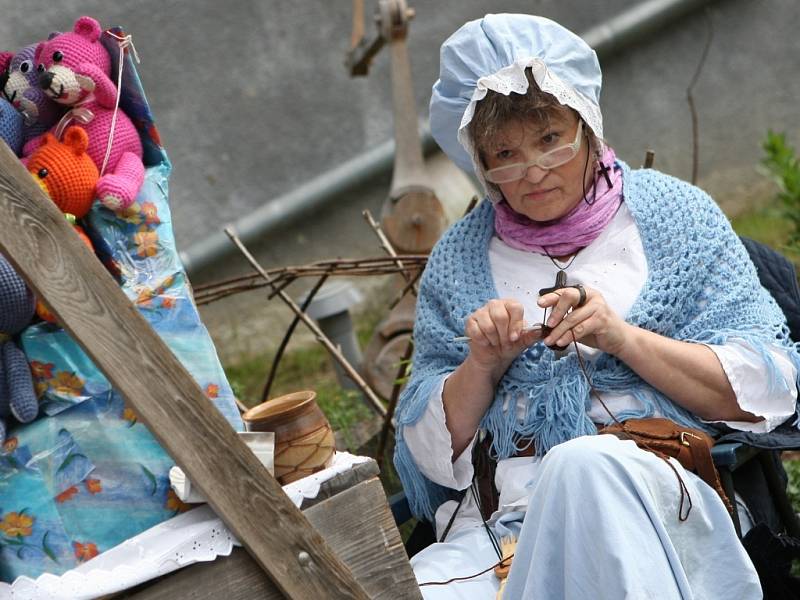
[66, 172]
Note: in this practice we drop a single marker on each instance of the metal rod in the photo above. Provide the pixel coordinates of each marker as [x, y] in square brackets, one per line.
[321, 337]
[638, 23]
[608, 38]
[466, 338]
[278, 213]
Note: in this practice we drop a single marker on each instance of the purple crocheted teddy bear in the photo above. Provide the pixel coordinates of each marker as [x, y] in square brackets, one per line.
[17, 396]
[74, 70]
[20, 86]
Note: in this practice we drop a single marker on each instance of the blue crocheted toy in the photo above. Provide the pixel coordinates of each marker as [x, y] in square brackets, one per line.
[17, 396]
[10, 126]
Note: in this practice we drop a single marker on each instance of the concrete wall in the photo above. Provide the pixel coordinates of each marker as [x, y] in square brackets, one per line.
[252, 99]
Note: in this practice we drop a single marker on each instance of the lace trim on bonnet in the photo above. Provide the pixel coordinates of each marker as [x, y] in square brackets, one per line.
[512, 79]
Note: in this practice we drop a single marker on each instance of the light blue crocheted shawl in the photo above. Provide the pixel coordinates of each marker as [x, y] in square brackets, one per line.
[701, 286]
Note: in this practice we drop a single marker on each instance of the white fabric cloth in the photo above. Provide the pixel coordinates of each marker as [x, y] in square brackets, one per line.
[615, 265]
[573, 545]
[194, 536]
[260, 443]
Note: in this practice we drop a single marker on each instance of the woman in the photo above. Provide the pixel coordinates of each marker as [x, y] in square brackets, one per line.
[654, 310]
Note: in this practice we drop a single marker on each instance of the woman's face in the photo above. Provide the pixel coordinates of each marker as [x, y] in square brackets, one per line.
[542, 194]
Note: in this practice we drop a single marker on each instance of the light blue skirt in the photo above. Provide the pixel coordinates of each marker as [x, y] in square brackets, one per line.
[602, 522]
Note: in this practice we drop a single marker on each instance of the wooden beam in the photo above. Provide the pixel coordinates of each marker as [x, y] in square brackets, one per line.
[357, 522]
[45, 251]
[341, 482]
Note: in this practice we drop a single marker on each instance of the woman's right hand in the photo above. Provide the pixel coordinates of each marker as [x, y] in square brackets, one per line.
[497, 336]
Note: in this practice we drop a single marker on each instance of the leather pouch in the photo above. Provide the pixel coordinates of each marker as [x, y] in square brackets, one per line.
[667, 439]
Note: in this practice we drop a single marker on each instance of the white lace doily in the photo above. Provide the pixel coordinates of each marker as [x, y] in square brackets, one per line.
[194, 536]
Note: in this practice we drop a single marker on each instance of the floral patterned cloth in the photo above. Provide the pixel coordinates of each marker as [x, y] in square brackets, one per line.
[87, 475]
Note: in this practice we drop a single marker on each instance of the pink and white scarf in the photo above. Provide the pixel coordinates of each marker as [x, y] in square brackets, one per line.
[575, 230]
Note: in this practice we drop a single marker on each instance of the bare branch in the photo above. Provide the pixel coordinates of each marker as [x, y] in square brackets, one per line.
[321, 337]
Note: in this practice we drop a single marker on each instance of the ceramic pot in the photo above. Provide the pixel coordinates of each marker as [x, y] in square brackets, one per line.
[304, 442]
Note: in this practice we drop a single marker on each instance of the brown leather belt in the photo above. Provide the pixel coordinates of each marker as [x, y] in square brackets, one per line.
[485, 467]
[530, 448]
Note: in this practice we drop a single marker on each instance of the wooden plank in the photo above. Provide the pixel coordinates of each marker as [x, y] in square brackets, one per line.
[343, 481]
[43, 248]
[357, 522]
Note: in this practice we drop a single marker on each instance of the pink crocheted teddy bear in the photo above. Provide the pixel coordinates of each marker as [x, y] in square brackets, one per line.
[74, 70]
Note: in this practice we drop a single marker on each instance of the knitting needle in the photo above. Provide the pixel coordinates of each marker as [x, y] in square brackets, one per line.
[536, 327]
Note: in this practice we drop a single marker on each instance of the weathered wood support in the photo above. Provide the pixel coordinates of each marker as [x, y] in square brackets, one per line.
[40, 244]
[357, 522]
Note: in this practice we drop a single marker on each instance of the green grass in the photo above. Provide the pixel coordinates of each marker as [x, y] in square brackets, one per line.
[770, 226]
[303, 368]
[778, 223]
[307, 367]
[793, 491]
[766, 225]
[780, 162]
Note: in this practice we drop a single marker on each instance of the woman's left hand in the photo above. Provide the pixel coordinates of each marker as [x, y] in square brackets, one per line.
[593, 323]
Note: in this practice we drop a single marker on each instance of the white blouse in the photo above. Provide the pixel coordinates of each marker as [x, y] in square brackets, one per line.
[616, 266]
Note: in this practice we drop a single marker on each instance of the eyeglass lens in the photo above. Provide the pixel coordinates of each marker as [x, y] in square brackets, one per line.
[548, 160]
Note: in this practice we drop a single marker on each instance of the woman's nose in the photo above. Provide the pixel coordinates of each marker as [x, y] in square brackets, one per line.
[535, 174]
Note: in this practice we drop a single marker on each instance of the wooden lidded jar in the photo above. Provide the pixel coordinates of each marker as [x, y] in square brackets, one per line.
[304, 442]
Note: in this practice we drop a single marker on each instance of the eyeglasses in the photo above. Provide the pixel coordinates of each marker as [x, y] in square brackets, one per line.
[549, 160]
